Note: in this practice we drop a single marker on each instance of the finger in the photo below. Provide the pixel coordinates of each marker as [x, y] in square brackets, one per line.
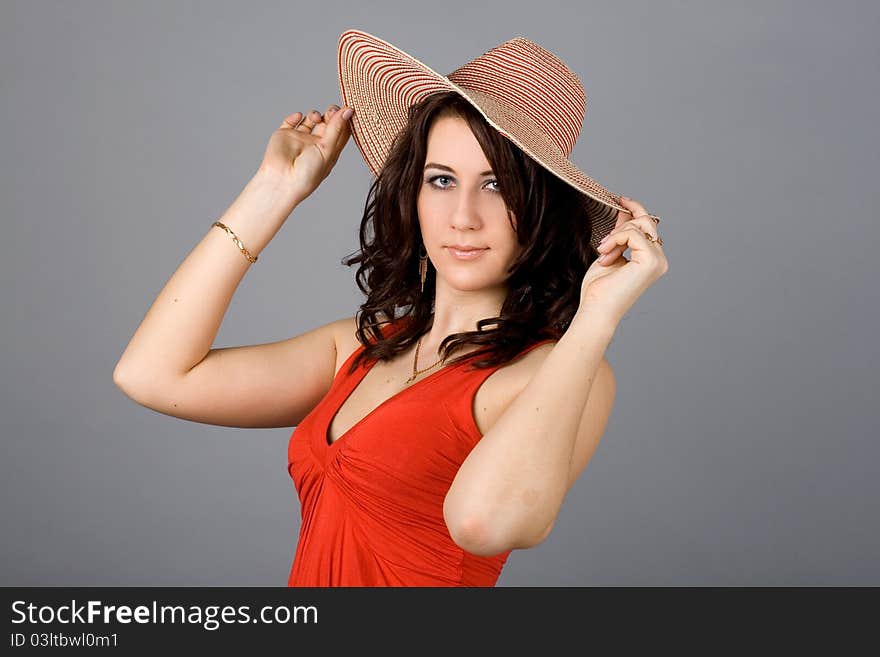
[608, 250]
[636, 209]
[313, 119]
[643, 223]
[321, 127]
[291, 121]
[630, 226]
[609, 261]
[622, 217]
[617, 242]
[339, 128]
[309, 121]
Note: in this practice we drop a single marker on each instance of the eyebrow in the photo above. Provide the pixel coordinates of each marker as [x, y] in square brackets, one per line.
[443, 167]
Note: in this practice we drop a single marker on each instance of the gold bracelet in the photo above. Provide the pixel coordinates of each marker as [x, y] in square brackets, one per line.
[236, 240]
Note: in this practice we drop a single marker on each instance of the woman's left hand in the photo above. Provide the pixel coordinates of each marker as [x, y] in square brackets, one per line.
[612, 285]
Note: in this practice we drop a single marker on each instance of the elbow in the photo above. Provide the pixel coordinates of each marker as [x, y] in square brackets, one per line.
[474, 532]
[120, 377]
[470, 530]
[474, 535]
[477, 536]
[133, 384]
[124, 378]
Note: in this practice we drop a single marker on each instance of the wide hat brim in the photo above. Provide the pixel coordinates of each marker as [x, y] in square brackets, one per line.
[381, 82]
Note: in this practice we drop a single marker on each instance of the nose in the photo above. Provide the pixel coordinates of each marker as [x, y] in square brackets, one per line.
[466, 213]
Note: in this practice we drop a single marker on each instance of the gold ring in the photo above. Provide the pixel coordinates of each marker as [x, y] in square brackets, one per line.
[651, 238]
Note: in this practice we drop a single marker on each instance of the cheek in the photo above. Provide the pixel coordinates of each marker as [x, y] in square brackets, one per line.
[429, 210]
[424, 216]
[513, 255]
[512, 246]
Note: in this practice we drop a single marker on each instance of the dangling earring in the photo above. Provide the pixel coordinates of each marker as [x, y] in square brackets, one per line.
[423, 267]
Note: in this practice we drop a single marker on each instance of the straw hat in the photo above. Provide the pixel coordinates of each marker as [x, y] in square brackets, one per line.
[522, 90]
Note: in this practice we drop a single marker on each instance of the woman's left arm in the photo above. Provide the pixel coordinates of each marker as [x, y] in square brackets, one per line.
[511, 486]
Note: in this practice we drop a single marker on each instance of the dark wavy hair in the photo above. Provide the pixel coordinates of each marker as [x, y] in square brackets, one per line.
[553, 224]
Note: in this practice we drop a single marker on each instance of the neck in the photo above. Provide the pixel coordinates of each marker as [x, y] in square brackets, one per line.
[458, 311]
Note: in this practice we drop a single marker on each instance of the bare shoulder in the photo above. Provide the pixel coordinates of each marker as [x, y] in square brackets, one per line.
[502, 386]
[346, 338]
[345, 334]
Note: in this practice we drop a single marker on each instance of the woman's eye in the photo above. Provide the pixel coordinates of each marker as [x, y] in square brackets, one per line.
[447, 178]
[431, 180]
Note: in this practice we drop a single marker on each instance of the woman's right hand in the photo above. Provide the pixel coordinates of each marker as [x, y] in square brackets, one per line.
[303, 154]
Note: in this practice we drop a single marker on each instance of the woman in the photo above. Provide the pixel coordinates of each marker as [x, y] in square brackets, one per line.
[440, 427]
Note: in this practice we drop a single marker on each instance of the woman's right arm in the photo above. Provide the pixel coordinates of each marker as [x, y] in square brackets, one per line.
[169, 365]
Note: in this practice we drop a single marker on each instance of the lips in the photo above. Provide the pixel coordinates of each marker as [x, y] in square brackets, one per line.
[466, 253]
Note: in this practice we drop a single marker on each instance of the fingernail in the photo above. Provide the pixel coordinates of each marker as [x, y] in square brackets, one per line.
[347, 113]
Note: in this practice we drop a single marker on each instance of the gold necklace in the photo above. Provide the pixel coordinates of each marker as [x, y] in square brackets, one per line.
[416, 360]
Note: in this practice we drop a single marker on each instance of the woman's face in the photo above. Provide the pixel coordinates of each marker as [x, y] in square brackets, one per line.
[460, 203]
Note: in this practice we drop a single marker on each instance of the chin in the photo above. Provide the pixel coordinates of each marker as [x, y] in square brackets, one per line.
[469, 281]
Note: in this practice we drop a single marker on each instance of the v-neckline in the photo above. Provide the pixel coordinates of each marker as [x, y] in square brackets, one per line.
[395, 396]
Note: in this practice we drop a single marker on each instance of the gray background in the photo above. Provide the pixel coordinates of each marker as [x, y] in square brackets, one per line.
[742, 447]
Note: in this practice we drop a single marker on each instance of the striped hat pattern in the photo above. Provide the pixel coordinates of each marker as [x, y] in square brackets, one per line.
[522, 90]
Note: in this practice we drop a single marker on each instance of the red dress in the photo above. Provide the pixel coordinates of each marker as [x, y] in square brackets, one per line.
[372, 501]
